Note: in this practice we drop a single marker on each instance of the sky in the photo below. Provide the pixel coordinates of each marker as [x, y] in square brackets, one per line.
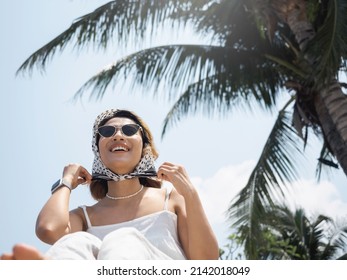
[43, 129]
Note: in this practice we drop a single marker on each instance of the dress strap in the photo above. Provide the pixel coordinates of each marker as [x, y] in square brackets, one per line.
[167, 196]
[83, 207]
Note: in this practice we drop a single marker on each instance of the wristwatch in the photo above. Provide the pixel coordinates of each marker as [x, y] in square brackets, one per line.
[58, 184]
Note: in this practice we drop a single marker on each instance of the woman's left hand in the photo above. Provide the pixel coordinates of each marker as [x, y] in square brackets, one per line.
[176, 175]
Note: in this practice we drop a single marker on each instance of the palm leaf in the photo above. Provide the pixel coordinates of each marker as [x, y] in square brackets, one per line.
[178, 64]
[117, 21]
[274, 168]
[212, 75]
[329, 45]
[222, 92]
[318, 239]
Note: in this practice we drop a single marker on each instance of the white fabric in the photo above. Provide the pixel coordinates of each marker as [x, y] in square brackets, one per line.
[150, 237]
[80, 245]
[131, 245]
[122, 244]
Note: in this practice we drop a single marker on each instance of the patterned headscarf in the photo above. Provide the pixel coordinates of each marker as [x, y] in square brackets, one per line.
[145, 167]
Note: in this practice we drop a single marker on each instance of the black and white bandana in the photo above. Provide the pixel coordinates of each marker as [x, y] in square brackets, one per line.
[145, 167]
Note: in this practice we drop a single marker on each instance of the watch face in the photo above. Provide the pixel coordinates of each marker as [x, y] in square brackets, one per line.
[55, 185]
[58, 184]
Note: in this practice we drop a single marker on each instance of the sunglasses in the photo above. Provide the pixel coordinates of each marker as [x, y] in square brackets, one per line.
[110, 130]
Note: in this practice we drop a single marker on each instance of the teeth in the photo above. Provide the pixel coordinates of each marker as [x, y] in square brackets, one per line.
[119, 148]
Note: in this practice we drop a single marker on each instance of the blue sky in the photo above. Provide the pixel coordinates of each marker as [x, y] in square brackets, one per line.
[42, 130]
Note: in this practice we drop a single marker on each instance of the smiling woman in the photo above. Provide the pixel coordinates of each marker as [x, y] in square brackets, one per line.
[134, 217]
[105, 128]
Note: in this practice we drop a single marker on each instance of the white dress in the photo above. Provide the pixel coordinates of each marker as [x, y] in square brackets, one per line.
[149, 237]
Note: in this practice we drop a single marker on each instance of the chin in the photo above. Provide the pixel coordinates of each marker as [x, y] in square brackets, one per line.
[121, 170]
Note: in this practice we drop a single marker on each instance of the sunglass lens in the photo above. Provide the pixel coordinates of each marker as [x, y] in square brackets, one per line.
[129, 129]
[107, 130]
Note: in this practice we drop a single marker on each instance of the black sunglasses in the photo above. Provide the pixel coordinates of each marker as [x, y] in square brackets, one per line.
[110, 130]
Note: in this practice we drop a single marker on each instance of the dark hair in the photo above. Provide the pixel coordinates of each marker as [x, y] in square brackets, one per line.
[99, 188]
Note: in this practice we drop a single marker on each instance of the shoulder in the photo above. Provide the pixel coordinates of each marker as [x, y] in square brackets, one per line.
[78, 217]
[160, 198]
[82, 210]
[154, 192]
[77, 212]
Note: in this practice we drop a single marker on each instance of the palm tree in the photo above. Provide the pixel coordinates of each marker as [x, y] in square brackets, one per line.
[289, 235]
[260, 51]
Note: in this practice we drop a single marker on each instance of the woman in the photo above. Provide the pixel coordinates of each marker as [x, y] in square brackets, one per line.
[134, 218]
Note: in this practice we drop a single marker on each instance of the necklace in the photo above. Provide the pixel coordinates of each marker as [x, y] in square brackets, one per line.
[124, 197]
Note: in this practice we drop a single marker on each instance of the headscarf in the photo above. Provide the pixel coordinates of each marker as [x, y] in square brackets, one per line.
[145, 167]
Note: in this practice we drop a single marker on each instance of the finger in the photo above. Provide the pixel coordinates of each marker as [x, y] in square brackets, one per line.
[160, 175]
[167, 164]
[84, 181]
[85, 174]
[162, 170]
[81, 181]
[171, 171]
[163, 174]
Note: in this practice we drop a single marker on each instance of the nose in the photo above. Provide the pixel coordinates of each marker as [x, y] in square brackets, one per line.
[118, 134]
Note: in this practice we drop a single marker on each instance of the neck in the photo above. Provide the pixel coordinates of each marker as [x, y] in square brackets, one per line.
[124, 187]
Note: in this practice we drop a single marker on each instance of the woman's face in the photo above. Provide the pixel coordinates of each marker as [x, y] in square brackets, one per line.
[121, 153]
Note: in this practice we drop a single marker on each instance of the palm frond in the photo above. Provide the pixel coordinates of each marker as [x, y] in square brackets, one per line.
[333, 239]
[177, 64]
[329, 45]
[206, 72]
[340, 242]
[273, 170]
[292, 228]
[223, 92]
[317, 238]
[117, 21]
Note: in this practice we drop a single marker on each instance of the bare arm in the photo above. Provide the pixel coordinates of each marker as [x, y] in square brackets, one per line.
[54, 219]
[196, 234]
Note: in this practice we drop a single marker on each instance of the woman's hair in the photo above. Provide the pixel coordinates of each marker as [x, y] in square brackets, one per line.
[99, 188]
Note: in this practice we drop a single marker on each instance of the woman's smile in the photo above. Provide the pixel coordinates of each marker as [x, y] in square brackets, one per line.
[117, 147]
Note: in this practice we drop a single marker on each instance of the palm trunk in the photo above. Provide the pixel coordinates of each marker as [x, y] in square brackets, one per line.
[330, 102]
[331, 107]
[293, 12]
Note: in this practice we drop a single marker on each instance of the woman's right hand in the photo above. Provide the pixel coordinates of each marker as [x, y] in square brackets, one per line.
[76, 174]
